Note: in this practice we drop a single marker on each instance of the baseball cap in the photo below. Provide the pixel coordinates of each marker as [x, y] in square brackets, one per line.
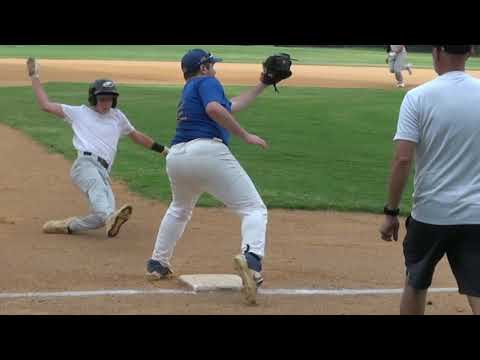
[194, 58]
[455, 49]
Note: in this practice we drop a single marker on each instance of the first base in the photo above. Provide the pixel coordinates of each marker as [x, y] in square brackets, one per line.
[215, 282]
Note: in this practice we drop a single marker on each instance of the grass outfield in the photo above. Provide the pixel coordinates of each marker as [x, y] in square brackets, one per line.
[329, 148]
[230, 53]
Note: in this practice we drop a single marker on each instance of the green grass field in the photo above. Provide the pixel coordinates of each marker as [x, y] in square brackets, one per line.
[230, 53]
[329, 148]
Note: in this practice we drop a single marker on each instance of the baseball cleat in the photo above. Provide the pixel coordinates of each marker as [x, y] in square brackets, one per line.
[156, 271]
[251, 279]
[117, 219]
[58, 226]
[401, 85]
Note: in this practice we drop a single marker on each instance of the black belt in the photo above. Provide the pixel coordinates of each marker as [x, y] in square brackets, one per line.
[102, 161]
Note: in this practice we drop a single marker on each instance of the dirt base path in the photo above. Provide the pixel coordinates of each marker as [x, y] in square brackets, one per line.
[151, 72]
[324, 250]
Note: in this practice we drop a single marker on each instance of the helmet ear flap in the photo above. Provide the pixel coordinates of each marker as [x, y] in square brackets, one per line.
[114, 103]
[92, 99]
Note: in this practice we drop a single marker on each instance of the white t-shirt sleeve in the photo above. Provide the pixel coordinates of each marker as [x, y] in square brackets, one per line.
[72, 113]
[125, 126]
[408, 122]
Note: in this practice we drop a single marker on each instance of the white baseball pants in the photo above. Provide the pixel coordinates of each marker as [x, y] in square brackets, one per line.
[93, 180]
[206, 165]
[398, 63]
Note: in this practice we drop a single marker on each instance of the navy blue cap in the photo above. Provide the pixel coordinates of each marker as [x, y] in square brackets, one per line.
[194, 58]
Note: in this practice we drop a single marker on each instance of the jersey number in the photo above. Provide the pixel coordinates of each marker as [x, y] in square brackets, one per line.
[180, 114]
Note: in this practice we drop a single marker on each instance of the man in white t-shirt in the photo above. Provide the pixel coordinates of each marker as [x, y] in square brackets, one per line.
[439, 127]
[397, 61]
[97, 128]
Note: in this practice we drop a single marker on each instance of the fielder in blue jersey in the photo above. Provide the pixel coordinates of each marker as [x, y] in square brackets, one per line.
[200, 161]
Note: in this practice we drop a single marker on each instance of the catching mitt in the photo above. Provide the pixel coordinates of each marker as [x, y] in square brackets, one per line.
[276, 68]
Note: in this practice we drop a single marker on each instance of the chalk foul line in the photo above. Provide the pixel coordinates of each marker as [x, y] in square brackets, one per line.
[271, 292]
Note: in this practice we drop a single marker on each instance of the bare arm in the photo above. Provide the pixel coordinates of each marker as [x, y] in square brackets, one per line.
[145, 141]
[219, 114]
[402, 163]
[243, 100]
[401, 166]
[41, 95]
[141, 139]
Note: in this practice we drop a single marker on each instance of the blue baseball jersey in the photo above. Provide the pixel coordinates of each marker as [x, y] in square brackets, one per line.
[193, 121]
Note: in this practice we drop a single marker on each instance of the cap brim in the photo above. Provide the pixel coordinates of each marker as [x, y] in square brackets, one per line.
[214, 59]
[113, 93]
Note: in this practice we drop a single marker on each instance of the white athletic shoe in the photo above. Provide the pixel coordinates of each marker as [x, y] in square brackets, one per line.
[117, 219]
[400, 85]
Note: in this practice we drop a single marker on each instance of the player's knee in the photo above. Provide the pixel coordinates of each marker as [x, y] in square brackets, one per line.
[259, 209]
[179, 213]
[100, 218]
[263, 210]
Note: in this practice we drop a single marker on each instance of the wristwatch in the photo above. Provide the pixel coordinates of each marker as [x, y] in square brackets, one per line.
[391, 212]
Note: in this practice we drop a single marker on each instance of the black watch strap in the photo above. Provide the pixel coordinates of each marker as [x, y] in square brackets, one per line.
[391, 212]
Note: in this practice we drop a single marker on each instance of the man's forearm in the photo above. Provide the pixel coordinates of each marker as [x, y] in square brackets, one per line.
[398, 181]
[40, 93]
[244, 100]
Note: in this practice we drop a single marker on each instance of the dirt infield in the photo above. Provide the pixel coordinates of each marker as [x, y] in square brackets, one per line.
[314, 250]
[151, 72]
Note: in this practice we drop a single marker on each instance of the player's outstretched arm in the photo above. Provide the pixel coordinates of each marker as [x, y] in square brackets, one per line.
[243, 100]
[147, 142]
[218, 113]
[41, 95]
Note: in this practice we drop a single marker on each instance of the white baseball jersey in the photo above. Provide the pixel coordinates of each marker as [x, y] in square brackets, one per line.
[443, 118]
[97, 133]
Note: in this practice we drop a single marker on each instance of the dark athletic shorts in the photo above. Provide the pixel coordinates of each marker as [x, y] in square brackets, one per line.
[425, 245]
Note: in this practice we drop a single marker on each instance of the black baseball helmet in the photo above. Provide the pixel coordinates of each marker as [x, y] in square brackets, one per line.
[102, 87]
